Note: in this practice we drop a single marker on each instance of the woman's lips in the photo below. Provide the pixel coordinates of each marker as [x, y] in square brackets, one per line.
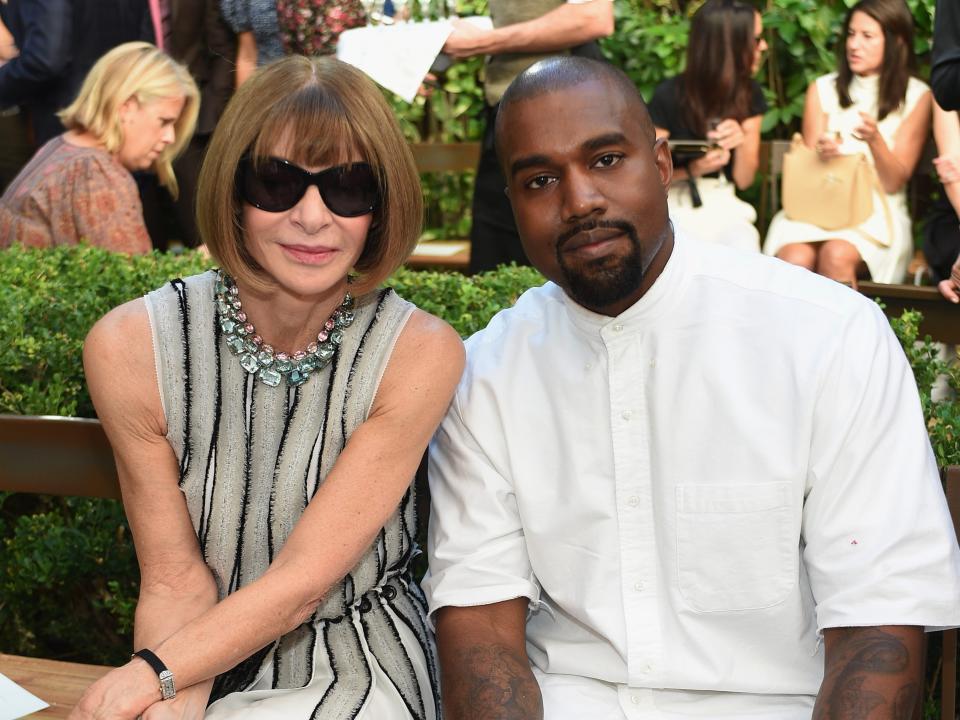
[309, 255]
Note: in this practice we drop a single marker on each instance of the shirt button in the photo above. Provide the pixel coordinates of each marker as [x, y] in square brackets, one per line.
[626, 414]
[653, 363]
[588, 366]
[639, 587]
[633, 501]
[635, 699]
[618, 328]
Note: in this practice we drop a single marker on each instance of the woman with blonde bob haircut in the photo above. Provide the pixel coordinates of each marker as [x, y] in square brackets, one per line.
[136, 110]
[267, 470]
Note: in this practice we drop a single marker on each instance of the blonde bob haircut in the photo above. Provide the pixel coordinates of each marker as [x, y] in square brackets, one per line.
[138, 71]
[315, 112]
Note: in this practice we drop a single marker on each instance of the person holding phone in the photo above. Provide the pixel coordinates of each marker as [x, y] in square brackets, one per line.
[711, 113]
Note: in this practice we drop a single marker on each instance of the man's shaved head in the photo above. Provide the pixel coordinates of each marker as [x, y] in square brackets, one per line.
[562, 73]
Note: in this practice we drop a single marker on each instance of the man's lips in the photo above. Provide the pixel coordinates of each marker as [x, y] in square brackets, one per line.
[590, 240]
[309, 254]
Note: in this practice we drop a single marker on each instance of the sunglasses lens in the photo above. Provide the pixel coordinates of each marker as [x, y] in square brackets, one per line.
[272, 185]
[350, 190]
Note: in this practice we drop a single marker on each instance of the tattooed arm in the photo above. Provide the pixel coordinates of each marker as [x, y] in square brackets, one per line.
[484, 671]
[871, 673]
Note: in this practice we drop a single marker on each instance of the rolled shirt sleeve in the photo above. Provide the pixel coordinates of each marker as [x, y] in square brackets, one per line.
[476, 545]
[874, 513]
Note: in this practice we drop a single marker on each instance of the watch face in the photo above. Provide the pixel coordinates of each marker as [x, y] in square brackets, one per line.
[167, 689]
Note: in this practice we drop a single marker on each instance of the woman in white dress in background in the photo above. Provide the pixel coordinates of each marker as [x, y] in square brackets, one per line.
[870, 105]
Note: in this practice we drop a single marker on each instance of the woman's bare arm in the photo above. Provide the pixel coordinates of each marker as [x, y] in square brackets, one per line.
[246, 56]
[895, 165]
[175, 584]
[358, 496]
[746, 159]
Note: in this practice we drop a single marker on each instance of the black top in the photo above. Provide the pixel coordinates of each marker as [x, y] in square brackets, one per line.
[666, 109]
[945, 70]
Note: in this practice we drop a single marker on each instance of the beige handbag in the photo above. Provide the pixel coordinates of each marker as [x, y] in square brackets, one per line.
[832, 194]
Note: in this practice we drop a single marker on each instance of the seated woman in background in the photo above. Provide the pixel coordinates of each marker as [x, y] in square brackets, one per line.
[267, 425]
[135, 111]
[716, 99]
[871, 105]
[941, 242]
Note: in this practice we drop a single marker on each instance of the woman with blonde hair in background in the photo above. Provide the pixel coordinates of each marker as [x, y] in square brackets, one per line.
[871, 105]
[135, 111]
[717, 103]
[268, 418]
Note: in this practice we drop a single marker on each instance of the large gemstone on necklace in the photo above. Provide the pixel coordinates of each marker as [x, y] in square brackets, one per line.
[236, 344]
[283, 364]
[265, 357]
[249, 363]
[326, 351]
[297, 378]
[269, 376]
[228, 326]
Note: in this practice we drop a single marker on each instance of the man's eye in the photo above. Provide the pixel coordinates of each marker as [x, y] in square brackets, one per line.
[608, 160]
[540, 181]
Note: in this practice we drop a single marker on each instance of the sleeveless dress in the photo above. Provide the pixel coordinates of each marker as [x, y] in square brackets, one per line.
[250, 459]
[886, 264]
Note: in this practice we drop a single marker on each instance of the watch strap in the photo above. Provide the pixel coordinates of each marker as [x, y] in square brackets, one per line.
[167, 688]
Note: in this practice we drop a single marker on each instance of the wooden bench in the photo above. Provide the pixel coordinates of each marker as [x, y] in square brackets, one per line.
[71, 456]
[449, 254]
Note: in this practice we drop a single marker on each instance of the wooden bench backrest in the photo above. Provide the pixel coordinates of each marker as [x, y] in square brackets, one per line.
[446, 157]
[56, 456]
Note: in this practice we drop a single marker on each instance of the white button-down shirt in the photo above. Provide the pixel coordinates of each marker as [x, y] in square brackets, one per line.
[689, 492]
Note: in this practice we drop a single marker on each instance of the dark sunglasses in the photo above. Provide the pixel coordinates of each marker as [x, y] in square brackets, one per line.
[275, 185]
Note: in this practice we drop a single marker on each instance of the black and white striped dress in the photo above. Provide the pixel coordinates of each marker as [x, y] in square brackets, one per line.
[251, 457]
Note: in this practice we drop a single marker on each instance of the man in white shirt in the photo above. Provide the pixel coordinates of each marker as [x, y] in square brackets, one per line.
[676, 481]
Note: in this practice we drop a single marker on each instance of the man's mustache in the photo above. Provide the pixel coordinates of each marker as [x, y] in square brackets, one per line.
[621, 225]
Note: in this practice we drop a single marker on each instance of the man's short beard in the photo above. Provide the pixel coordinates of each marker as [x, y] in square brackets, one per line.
[607, 280]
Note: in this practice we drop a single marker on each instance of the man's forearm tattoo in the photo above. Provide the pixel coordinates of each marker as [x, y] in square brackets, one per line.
[494, 684]
[862, 657]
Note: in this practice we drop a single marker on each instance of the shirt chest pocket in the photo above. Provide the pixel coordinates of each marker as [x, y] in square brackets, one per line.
[737, 546]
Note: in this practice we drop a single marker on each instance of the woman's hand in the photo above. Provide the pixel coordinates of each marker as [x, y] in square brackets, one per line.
[189, 704]
[948, 168]
[828, 146]
[727, 135]
[122, 694]
[867, 130]
[714, 161]
[950, 288]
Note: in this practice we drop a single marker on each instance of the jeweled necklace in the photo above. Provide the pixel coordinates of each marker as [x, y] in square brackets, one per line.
[260, 359]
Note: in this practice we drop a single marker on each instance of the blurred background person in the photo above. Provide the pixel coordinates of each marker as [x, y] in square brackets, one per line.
[136, 110]
[717, 99]
[258, 33]
[312, 27]
[871, 105]
[941, 233]
[523, 32]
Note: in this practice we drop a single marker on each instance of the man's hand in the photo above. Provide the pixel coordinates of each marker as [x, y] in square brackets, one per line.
[948, 168]
[870, 672]
[466, 40]
[484, 670]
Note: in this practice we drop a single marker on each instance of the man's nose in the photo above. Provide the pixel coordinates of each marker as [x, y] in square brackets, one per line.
[581, 196]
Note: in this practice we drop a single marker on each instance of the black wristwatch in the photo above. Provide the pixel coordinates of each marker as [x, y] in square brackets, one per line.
[168, 691]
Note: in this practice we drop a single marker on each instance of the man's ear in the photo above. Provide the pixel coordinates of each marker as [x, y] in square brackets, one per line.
[663, 160]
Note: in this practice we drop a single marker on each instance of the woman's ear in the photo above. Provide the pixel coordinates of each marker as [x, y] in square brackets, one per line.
[129, 106]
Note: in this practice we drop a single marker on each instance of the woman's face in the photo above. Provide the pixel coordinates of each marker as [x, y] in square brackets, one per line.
[307, 250]
[147, 130]
[865, 45]
[760, 43]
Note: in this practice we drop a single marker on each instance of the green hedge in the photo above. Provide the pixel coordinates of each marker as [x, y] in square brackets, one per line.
[68, 578]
